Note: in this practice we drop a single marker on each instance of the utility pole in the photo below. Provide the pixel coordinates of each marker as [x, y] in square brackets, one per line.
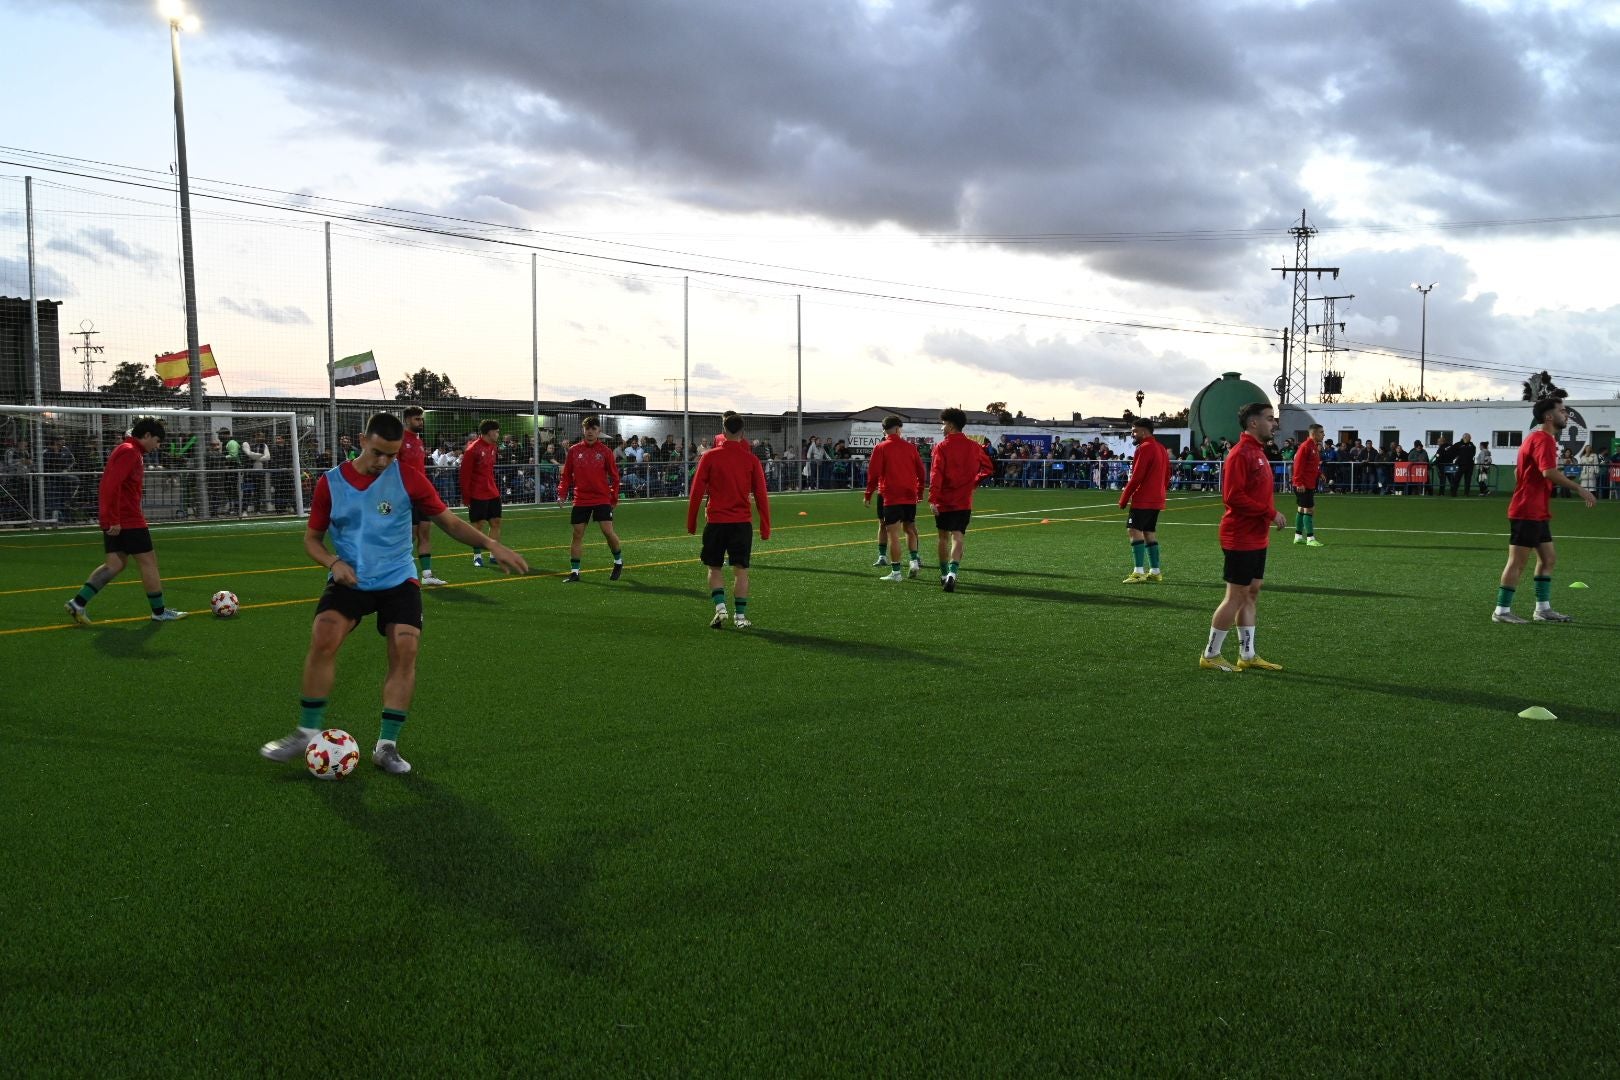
[87, 330]
[1291, 383]
[1332, 381]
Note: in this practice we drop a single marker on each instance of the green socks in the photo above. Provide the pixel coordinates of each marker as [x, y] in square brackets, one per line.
[392, 721]
[427, 562]
[1543, 589]
[618, 556]
[717, 597]
[156, 600]
[1138, 555]
[1153, 555]
[883, 548]
[311, 714]
[914, 557]
[87, 594]
[1308, 522]
[1504, 597]
[740, 604]
[573, 565]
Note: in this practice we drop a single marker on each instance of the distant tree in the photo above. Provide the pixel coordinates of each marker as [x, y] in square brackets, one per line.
[426, 386]
[1391, 392]
[1540, 385]
[1176, 419]
[999, 408]
[132, 379]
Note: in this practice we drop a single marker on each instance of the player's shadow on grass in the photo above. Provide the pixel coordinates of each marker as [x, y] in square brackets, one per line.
[994, 571]
[460, 596]
[462, 856]
[132, 644]
[1328, 590]
[697, 588]
[865, 650]
[1140, 598]
[1448, 697]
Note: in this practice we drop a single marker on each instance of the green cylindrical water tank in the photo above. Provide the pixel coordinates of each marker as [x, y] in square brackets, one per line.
[1214, 412]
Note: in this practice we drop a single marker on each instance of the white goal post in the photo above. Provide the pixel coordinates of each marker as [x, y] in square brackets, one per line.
[214, 463]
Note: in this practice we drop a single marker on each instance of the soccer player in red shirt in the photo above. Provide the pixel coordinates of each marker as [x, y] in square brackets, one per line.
[896, 470]
[728, 475]
[593, 476]
[959, 464]
[413, 455]
[1144, 494]
[372, 572]
[1530, 514]
[125, 535]
[478, 488]
[1251, 510]
[1307, 470]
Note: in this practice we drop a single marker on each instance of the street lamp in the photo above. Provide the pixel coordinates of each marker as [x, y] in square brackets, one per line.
[179, 19]
[1423, 341]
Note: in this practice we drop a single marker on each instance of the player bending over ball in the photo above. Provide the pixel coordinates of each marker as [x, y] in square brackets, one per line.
[365, 505]
[1246, 489]
[1144, 495]
[1530, 514]
[729, 474]
[897, 472]
[123, 525]
[591, 474]
[959, 464]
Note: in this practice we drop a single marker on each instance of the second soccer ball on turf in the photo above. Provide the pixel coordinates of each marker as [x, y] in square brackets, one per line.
[224, 603]
[332, 755]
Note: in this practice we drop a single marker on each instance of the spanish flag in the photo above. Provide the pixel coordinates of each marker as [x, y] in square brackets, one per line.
[175, 368]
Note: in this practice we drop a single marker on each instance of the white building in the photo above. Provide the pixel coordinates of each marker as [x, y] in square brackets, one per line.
[1501, 424]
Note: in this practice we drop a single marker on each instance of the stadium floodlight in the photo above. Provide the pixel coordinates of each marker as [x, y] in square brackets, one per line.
[1423, 340]
[172, 10]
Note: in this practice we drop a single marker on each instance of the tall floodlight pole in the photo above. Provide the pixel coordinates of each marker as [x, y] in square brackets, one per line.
[686, 384]
[33, 355]
[175, 12]
[534, 359]
[1423, 338]
[798, 321]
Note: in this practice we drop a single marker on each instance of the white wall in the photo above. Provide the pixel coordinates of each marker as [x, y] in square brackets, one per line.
[1416, 419]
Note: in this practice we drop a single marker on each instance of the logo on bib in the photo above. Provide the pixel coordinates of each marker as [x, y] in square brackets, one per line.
[385, 508]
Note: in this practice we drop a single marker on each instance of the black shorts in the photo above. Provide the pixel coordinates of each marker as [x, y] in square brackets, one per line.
[401, 604]
[483, 509]
[900, 514]
[1529, 533]
[730, 538]
[1244, 567]
[1304, 498]
[582, 514]
[1142, 520]
[953, 520]
[128, 542]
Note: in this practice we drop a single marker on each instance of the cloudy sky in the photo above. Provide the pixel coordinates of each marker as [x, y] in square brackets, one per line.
[1054, 203]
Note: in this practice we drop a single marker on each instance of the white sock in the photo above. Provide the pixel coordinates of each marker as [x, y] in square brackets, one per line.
[1246, 642]
[1217, 638]
[311, 732]
[1543, 605]
[1500, 610]
[385, 742]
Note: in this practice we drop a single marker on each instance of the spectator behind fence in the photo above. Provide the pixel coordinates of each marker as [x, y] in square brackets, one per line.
[1484, 461]
[1466, 454]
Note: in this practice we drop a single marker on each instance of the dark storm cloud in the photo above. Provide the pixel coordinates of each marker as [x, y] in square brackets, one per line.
[979, 116]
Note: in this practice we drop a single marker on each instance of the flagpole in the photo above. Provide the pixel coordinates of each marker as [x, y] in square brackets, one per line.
[331, 355]
[534, 318]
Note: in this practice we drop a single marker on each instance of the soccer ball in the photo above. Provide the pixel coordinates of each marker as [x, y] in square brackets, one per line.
[224, 603]
[332, 755]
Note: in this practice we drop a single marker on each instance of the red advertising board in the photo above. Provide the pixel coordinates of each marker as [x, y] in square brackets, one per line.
[1411, 472]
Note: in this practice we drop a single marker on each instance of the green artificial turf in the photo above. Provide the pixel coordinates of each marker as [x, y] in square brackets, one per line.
[887, 831]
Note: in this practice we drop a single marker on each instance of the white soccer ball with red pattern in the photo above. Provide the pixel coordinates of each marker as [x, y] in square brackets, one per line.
[332, 755]
[225, 604]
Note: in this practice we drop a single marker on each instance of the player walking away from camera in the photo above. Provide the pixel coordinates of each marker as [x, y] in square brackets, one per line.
[729, 474]
[959, 465]
[896, 470]
[1144, 494]
[125, 535]
[413, 456]
[1246, 489]
[1307, 470]
[1530, 514]
[362, 504]
[478, 488]
[593, 476]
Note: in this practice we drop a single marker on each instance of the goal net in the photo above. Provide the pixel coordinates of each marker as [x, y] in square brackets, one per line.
[212, 464]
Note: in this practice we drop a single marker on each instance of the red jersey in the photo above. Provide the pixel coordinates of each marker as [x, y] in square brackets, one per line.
[412, 454]
[591, 474]
[121, 485]
[1532, 491]
[1246, 489]
[729, 474]
[478, 471]
[417, 486]
[896, 470]
[959, 465]
[1307, 465]
[1150, 477]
